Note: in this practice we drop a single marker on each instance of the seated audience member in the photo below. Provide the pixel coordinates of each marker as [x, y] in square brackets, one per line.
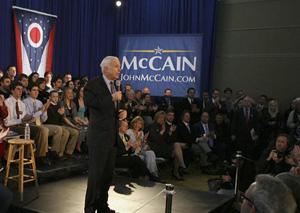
[178, 148]
[148, 109]
[6, 198]
[18, 117]
[268, 194]
[130, 105]
[5, 83]
[38, 112]
[72, 121]
[48, 79]
[67, 77]
[82, 117]
[277, 159]
[43, 94]
[293, 121]
[23, 79]
[125, 154]
[271, 122]
[138, 97]
[58, 86]
[138, 141]
[11, 73]
[33, 77]
[191, 104]
[146, 91]
[296, 155]
[166, 102]
[186, 135]
[56, 116]
[293, 182]
[157, 137]
[205, 141]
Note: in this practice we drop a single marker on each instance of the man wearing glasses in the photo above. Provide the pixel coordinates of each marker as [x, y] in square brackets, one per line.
[268, 194]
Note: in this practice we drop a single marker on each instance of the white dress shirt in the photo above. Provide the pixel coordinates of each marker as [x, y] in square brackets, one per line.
[12, 113]
[35, 111]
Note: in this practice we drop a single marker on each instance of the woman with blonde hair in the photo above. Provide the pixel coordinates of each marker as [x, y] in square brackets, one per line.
[139, 144]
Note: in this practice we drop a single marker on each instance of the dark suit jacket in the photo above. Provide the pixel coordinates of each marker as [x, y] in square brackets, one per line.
[121, 146]
[164, 105]
[183, 134]
[102, 114]
[241, 127]
[199, 130]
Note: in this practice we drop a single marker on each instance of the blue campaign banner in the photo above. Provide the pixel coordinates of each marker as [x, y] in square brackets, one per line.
[161, 61]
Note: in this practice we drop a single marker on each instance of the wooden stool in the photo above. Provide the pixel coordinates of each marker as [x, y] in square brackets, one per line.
[21, 177]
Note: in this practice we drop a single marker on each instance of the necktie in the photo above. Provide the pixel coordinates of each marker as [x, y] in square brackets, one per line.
[34, 107]
[17, 110]
[188, 127]
[112, 87]
[112, 91]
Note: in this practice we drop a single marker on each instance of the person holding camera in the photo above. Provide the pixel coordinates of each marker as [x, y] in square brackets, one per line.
[278, 159]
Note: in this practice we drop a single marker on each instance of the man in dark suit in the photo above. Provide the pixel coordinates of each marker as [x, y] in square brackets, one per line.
[101, 98]
[166, 102]
[191, 104]
[205, 139]
[244, 128]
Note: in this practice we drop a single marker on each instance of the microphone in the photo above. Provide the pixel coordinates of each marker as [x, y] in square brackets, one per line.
[118, 84]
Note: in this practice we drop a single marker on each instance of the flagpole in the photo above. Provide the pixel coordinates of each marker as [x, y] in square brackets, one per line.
[33, 11]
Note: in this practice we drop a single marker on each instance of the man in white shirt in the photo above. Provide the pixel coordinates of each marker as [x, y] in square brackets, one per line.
[18, 117]
[38, 111]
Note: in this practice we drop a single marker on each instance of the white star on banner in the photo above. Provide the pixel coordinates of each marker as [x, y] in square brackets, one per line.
[158, 50]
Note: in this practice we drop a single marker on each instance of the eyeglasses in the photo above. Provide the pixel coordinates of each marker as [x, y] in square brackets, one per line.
[243, 197]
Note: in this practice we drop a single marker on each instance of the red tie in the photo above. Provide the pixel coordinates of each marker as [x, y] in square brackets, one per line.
[17, 110]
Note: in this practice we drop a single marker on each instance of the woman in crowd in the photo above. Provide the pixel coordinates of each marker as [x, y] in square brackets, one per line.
[82, 115]
[71, 118]
[293, 122]
[33, 77]
[43, 94]
[125, 155]
[140, 146]
[271, 122]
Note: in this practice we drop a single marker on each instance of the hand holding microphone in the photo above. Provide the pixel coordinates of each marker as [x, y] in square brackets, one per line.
[117, 96]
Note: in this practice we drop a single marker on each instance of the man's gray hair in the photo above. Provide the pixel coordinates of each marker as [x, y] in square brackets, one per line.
[272, 195]
[106, 62]
[293, 182]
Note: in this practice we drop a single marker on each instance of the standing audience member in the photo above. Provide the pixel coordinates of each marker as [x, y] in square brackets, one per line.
[293, 121]
[23, 79]
[33, 77]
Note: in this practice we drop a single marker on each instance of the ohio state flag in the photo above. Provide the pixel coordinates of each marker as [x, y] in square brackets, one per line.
[34, 32]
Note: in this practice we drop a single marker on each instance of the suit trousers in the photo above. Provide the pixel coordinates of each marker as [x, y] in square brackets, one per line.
[101, 166]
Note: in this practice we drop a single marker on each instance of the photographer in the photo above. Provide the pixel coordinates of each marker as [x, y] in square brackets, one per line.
[278, 159]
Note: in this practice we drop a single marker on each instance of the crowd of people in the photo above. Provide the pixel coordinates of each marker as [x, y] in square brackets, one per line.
[205, 131]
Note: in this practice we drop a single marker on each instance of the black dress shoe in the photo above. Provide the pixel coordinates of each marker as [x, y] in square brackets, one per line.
[106, 210]
[177, 177]
[183, 171]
